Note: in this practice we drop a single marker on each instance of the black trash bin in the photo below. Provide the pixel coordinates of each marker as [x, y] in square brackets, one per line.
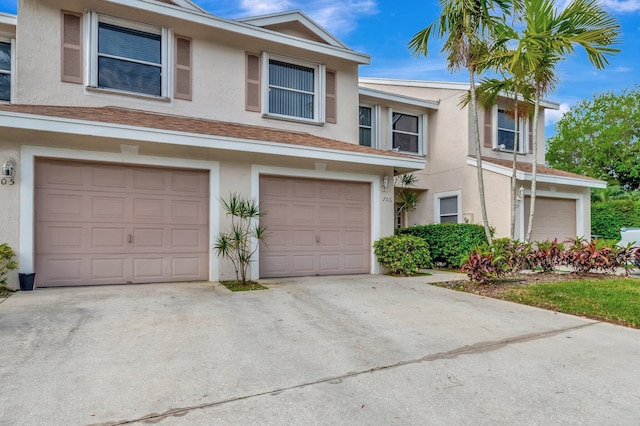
[26, 281]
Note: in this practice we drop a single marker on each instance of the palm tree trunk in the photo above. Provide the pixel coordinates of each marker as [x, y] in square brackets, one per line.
[476, 135]
[512, 232]
[534, 164]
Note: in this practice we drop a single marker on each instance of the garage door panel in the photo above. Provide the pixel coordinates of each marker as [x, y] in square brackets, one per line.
[109, 176]
[189, 211]
[302, 265]
[123, 224]
[103, 207]
[311, 228]
[303, 189]
[302, 213]
[111, 238]
[149, 179]
[355, 262]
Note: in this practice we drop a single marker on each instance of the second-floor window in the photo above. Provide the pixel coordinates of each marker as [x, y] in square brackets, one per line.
[366, 126]
[406, 132]
[293, 88]
[128, 57]
[506, 131]
[5, 71]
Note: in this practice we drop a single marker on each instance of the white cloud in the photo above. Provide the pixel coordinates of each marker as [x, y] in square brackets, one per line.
[264, 7]
[622, 6]
[552, 116]
[341, 17]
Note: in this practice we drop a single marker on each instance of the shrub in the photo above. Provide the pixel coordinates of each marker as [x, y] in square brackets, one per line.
[516, 254]
[485, 264]
[546, 255]
[608, 217]
[449, 243]
[235, 244]
[586, 256]
[402, 255]
[6, 262]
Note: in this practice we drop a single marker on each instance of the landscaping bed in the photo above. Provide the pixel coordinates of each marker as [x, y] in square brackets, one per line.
[604, 297]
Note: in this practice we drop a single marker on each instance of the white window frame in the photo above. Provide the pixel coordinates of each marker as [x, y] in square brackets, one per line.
[375, 123]
[449, 194]
[523, 129]
[91, 40]
[319, 88]
[12, 70]
[422, 130]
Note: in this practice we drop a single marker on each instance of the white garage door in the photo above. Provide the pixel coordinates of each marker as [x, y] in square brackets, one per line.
[553, 218]
[112, 224]
[315, 227]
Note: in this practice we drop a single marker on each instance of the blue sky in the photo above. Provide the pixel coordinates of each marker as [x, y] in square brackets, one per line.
[382, 28]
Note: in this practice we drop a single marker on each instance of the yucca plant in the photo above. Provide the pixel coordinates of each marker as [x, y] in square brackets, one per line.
[237, 243]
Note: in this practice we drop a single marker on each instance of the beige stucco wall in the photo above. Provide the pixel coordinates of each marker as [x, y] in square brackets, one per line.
[218, 71]
[10, 205]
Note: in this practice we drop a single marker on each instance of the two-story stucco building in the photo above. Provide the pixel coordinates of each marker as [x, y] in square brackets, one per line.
[126, 121]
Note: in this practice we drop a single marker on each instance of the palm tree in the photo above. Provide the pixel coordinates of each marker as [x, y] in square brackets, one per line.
[465, 26]
[547, 37]
[489, 90]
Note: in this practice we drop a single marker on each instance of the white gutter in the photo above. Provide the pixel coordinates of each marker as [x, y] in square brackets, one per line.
[388, 96]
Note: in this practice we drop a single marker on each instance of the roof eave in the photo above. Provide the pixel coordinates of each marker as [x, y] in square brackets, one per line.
[237, 27]
[145, 134]
[541, 177]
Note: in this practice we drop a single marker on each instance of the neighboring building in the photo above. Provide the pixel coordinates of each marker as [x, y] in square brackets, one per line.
[439, 129]
[128, 121]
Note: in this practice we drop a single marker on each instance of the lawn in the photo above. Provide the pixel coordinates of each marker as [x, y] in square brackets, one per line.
[614, 300]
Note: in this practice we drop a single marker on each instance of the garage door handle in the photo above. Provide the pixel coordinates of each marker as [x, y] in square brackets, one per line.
[130, 238]
[317, 238]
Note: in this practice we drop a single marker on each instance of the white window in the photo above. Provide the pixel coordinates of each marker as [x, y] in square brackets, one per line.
[293, 89]
[407, 133]
[368, 125]
[506, 130]
[5, 71]
[128, 56]
[448, 207]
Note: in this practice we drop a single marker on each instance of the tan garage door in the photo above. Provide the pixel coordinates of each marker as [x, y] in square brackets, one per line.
[553, 218]
[112, 224]
[315, 227]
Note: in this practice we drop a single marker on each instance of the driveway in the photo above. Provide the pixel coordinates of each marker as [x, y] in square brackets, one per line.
[370, 350]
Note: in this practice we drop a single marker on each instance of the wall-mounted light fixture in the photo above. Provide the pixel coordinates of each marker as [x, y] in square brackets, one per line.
[9, 168]
[385, 183]
[520, 194]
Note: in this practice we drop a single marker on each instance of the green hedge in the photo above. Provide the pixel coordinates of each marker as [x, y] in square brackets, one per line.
[449, 243]
[609, 216]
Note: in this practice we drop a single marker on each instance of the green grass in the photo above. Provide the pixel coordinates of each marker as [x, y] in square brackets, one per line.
[238, 286]
[612, 300]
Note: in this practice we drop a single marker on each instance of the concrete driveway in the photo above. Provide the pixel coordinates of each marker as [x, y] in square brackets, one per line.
[368, 350]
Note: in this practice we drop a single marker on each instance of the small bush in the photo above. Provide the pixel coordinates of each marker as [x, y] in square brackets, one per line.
[485, 264]
[6, 262]
[546, 255]
[403, 255]
[597, 255]
[516, 254]
[449, 243]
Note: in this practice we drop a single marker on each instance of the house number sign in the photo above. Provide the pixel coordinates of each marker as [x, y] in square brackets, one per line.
[7, 181]
[387, 199]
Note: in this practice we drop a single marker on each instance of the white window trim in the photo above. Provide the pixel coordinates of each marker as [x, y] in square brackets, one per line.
[12, 71]
[439, 195]
[375, 123]
[319, 88]
[91, 39]
[523, 128]
[422, 130]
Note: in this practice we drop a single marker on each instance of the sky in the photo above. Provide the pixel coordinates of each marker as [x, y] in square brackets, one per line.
[382, 29]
